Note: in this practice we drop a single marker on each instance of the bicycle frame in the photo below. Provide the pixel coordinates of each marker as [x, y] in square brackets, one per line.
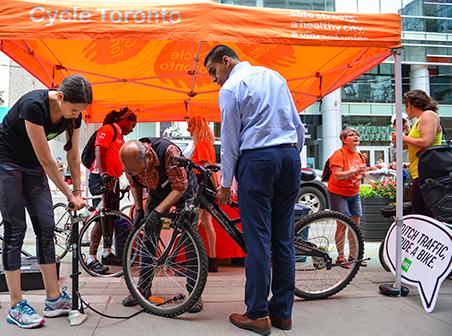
[228, 224]
[183, 218]
[206, 198]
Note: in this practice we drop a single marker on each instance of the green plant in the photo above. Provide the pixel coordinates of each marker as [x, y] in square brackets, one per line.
[385, 188]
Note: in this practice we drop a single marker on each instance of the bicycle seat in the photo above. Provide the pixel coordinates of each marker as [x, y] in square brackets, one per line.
[213, 167]
[307, 174]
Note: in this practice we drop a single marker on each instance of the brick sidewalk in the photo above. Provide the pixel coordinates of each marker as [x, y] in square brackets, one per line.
[357, 310]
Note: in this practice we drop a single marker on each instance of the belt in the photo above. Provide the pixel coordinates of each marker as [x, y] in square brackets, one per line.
[286, 145]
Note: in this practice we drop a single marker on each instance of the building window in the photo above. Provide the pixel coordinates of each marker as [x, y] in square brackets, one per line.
[440, 83]
[239, 2]
[375, 86]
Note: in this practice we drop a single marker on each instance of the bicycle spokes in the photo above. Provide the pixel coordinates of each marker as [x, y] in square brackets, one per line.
[324, 242]
[165, 270]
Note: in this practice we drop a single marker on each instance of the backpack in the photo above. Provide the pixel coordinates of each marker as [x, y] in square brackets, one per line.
[326, 174]
[89, 152]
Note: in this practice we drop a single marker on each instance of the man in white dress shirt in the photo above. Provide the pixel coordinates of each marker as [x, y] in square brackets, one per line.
[261, 138]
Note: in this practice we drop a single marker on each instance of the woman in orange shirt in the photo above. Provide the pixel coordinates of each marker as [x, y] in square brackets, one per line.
[347, 169]
[203, 154]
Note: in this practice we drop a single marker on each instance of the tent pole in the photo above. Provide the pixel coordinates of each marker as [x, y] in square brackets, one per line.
[86, 169]
[399, 162]
[397, 288]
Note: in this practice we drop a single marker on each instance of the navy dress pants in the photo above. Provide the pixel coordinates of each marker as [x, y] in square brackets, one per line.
[269, 182]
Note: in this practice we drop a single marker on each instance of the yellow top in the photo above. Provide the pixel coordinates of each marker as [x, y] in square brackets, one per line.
[412, 150]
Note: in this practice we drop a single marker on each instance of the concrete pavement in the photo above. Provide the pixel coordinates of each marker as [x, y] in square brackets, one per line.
[357, 310]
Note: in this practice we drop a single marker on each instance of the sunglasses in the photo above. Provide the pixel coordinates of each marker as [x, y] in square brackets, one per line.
[132, 118]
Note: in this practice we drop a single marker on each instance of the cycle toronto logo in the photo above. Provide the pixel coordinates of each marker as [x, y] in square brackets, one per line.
[50, 17]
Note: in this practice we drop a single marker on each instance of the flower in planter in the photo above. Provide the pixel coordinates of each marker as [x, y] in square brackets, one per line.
[384, 189]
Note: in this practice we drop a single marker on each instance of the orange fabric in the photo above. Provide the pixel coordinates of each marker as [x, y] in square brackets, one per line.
[150, 56]
[203, 152]
[104, 138]
[347, 160]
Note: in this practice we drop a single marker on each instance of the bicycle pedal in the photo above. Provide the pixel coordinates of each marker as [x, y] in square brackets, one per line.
[156, 300]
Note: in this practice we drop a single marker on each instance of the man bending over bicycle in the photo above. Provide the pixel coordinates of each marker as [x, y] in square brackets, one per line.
[149, 163]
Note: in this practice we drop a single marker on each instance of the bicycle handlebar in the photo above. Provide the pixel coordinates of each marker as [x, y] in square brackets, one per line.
[206, 170]
[122, 193]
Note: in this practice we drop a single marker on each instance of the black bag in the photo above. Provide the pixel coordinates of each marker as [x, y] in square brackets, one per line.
[436, 161]
[326, 174]
[437, 195]
[435, 179]
[89, 152]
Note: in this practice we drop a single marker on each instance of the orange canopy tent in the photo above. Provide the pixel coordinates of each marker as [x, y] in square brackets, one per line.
[150, 56]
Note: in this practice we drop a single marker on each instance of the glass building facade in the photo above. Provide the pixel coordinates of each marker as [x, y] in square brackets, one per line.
[367, 103]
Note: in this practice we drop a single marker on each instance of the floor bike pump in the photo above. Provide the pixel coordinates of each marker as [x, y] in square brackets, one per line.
[76, 315]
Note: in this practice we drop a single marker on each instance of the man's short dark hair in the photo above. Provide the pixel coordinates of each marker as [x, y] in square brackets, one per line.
[217, 53]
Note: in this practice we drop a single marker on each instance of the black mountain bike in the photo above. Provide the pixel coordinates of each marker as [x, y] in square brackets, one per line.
[166, 272]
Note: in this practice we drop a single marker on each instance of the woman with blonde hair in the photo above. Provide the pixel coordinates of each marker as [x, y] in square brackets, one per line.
[203, 154]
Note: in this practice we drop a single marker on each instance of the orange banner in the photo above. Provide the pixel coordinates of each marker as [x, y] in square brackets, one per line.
[194, 21]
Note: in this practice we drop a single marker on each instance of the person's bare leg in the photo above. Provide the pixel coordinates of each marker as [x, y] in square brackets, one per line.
[96, 235]
[351, 241]
[14, 286]
[340, 239]
[206, 222]
[49, 276]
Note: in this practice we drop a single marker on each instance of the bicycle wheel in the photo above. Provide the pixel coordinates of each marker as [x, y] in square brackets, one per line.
[327, 231]
[91, 240]
[62, 230]
[381, 257]
[126, 209]
[165, 286]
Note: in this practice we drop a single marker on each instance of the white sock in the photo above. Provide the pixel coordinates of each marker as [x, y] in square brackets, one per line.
[107, 251]
[90, 259]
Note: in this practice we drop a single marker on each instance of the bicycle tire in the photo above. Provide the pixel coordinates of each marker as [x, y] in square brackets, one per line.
[381, 257]
[162, 301]
[84, 242]
[62, 229]
[313, 278]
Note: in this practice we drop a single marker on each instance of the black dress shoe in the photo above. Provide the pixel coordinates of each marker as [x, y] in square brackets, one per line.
[281, 322]
[260, 326]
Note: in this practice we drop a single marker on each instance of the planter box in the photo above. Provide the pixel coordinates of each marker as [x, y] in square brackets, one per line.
[373, 225]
